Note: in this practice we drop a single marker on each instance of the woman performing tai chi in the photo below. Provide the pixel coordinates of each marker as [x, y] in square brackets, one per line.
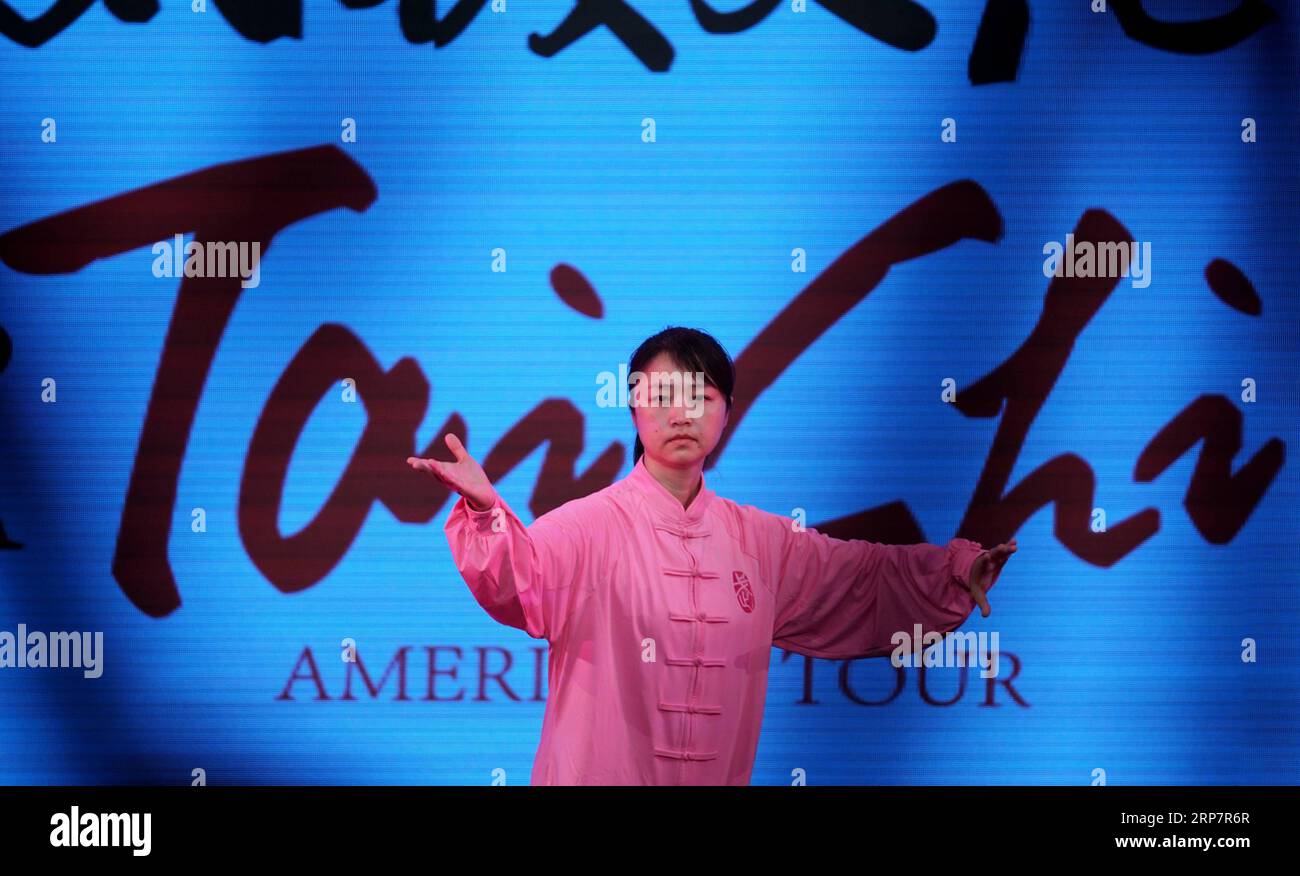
[661, 600]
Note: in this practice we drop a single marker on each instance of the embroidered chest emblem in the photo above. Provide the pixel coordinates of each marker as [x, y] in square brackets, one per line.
[744, 593]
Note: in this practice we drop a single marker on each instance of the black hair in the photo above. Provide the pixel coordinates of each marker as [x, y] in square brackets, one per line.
[692, 350]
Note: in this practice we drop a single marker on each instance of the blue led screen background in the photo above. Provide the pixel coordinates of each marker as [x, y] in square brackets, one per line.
[853, 198]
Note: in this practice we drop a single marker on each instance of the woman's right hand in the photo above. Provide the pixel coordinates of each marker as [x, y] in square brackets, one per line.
[465, 475]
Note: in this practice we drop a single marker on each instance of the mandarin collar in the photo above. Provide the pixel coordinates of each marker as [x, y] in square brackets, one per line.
[664, 502]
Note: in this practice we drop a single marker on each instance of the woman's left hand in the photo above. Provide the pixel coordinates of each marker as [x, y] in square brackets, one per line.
[985, 569]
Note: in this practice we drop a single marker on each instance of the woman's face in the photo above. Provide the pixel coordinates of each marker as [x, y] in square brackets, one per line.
[668, 416]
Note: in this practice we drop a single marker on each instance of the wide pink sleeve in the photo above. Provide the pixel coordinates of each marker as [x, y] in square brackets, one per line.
[528, 577]
[844, 600]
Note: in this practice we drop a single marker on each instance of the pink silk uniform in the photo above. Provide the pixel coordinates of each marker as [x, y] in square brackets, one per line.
[661, 619]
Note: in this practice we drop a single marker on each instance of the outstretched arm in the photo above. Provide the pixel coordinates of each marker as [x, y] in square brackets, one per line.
[845, 599]
[524, 576]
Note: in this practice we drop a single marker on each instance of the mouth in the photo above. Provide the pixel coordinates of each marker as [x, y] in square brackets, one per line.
[680, 438]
